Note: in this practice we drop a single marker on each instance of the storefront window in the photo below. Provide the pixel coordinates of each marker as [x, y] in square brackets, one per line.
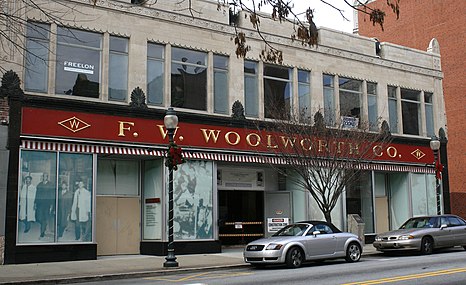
[78, 63]
[277, 91]
[55, 206]
[221, 84]
[350, 97]
[155, 73]
[118, 69]
[189, 79]
[152, 200]
[399, 199]
[359, 199]
[329, 99]
[251, 89]
[36, 57]
[192, 186]
[304, 95]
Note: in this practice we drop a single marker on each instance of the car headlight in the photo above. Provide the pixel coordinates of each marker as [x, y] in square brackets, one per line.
[378, 238]
[274, 246]
[405, 237]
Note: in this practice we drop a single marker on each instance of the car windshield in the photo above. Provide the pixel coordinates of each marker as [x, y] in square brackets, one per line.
[421, 222]
[292, 230]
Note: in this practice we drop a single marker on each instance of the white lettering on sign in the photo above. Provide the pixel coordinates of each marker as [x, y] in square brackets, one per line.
[78, 67]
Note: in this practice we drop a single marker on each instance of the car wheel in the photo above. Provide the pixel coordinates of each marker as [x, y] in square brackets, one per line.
[427, 245]
[464, 246]
[294, 257]
[353, 252]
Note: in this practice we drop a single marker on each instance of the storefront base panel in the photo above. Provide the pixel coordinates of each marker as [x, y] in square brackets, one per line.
[182, 247]
[52, 253]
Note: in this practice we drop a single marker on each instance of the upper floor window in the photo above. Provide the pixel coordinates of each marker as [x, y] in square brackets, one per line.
[329, 99]
[429, 109]
[221, 84]
[277, 91]
[189, 79]
[410, 110]
[372, 106]
[36, 57]
[118, 69]
[155, 73]
[350, 97]
[78, 63]
[304, 95]
[251, 89]
[393, 109]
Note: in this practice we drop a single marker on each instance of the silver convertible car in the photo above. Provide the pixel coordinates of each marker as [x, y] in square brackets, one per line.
[424, 234]
[303, 241]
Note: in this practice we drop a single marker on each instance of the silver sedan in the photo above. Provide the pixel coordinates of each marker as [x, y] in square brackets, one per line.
[303, 241]
[424, 234]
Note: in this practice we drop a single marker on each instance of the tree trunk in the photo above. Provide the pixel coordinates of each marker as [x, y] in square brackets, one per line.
[328, 217]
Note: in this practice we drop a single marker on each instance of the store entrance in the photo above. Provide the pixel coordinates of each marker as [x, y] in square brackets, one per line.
[241, 216]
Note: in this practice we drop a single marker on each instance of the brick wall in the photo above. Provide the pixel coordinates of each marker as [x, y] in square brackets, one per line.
[445, 20]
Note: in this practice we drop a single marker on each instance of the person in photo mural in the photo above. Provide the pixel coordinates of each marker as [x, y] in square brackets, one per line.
[44, 202]
[27, 196]
[65, 202]
[81, 212]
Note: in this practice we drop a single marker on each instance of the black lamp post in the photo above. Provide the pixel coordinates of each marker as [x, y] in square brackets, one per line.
[170, 121]
[435, 146]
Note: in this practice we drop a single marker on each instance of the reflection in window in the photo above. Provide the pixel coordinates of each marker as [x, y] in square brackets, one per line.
[277, 91]
[372, 106]
[251, 89]
[118, 69]
[189, 79]
[304, 95]
[410, 109]
[78, 63]
[329, 100]
[36, 58]
[155, 73]
[193, 201]
[55, 206]
[221, 84]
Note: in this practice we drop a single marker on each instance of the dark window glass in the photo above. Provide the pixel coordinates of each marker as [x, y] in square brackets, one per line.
[189, 79]
[350, 97]
[36, 58]
[277, 92]
[429, 108]
[372, 105]
[304, 95]
[78, 63]
[221, 84]
[410, 111]
[392, 109]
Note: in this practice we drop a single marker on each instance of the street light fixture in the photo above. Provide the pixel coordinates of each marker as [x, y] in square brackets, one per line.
[435, 146]
[170, 121]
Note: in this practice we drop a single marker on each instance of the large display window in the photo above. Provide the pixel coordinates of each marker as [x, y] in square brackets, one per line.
[192, 196]
[55, 197]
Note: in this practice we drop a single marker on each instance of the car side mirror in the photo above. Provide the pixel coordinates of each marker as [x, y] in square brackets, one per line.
[443, 226]
[316, 233]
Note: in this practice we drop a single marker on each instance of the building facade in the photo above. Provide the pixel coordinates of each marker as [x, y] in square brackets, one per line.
[419, 22]
[87, 144]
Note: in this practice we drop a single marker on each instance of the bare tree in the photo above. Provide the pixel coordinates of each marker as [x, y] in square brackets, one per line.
[319, 158]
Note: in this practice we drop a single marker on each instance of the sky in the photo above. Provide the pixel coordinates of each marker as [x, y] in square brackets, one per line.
[326, 16]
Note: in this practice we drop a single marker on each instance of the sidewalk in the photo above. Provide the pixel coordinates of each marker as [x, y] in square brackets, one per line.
[118, 267]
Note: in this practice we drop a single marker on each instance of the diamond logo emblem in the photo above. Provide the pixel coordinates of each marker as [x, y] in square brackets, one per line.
[418, 154]
[74, 124]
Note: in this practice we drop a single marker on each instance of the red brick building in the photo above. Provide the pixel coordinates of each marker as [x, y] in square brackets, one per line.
[419, 22]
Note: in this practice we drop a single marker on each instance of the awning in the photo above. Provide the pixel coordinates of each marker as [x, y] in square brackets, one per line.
[196, 154]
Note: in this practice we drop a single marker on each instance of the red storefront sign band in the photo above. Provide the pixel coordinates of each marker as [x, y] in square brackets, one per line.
[105, 128]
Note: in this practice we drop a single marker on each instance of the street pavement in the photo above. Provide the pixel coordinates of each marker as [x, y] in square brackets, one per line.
[122, 266]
